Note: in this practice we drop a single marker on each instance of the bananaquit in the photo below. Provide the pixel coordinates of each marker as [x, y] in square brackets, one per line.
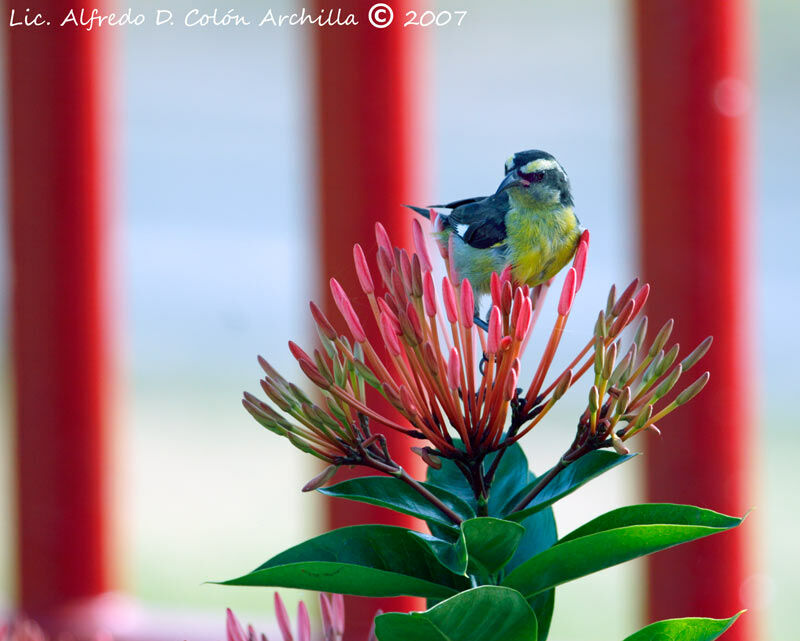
[528, 223]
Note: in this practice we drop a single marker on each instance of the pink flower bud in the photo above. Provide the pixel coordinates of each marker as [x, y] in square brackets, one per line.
[625, 297]
[407, 401]
[405, 270]
[505, 343]
[524, 320]
[567, 293]
[640, 299]
[322, 321]
[495, 288]
[429, 356]
[232, 627]
[347, 311]
[383, 238]
[579, 263]
[319, 480]
[310, 370]
[495, 331]
[421, 247]
[467, 304]
[449, 296]
[413, 317]
[510, 390]
[327, 615]
[283, 618]
[385, 309]
[398, 287]
[454, 369]
[338, 612]
[516, 306]
[429, 295]
[506, 298]
[389, 335]
[362, 270]
[505, 276]
[298, 352]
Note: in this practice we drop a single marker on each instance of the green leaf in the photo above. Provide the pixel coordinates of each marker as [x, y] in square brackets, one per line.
[693, 629]
[655, 513]
[540, 534]
[565, 482]
[367, 560]
[487, 613]
[490, 543]
[511, 475]
[614, 538]
[392, 493]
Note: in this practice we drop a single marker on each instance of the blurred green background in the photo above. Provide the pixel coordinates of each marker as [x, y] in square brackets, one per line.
[215, 260]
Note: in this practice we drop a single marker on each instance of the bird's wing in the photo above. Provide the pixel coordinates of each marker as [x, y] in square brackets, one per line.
[481, 224]
[458, 203]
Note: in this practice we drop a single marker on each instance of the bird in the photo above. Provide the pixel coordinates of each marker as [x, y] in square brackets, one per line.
[529, 223]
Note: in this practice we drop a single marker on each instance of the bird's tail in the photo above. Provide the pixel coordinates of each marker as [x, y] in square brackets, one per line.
[425, 213]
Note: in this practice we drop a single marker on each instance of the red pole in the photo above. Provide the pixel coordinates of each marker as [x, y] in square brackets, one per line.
[694, 187]
[366, 164]
[58, 164]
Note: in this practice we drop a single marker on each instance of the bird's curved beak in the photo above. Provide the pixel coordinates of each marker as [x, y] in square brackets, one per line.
[513, 180]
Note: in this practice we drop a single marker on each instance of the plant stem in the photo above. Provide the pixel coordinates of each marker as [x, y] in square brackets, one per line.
[425, 493]
[542, 483]
[572, 455]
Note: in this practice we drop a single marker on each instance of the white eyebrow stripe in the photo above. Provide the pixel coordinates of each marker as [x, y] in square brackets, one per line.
[462, 229]
[539, 165]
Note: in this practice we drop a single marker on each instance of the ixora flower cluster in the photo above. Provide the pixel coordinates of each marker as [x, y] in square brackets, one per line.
[492, 559]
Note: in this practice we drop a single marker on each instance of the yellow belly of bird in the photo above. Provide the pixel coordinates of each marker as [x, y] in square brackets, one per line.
[540, 241]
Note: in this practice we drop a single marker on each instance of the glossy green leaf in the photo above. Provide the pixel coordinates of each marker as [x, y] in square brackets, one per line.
[693, 629]
[654, 513]
[565, 482]
[614, 538]
[512, 474]
[490, 543]
[392, 493]
[367, 560]
[540, 534]
[487, 613]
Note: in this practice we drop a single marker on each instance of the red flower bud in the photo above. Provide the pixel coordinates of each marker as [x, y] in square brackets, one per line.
[383, 238]
[449, 296]
[454, 369]
[429, 295]
[495, 331]
[567, 293]
[467, 304]
[347, 311]
[362, 270]
[421, 247]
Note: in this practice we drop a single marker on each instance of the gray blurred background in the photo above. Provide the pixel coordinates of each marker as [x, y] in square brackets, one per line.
[215, 262]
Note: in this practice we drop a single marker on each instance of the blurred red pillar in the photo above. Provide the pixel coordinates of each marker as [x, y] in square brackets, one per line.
[58, 164]
[694, 101]
[367, 162]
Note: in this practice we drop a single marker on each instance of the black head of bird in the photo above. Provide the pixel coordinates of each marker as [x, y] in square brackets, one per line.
[540, 174]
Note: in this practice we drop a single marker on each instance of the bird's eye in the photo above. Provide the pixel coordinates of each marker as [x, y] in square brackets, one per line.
[534, 177]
